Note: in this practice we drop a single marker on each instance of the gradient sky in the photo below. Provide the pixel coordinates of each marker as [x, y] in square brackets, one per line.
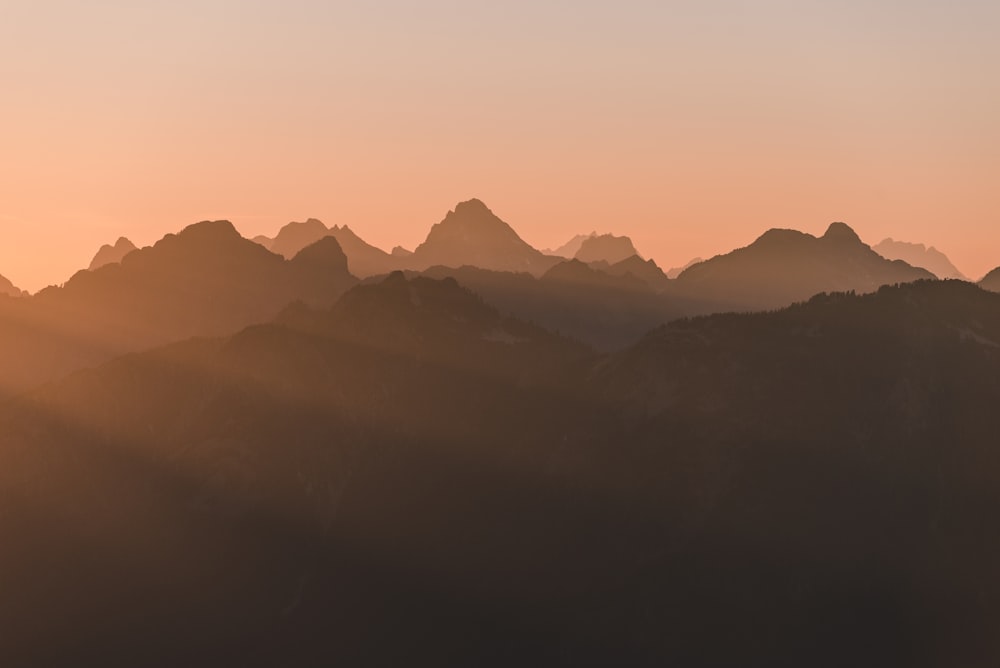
[691, 126]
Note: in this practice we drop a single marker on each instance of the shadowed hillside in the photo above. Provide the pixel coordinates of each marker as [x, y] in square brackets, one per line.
[812, 486]
[205, 280]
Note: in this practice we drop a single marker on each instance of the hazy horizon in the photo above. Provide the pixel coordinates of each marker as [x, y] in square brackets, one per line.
[690, 127]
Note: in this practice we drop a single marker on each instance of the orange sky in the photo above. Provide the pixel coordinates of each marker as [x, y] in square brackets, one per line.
[690, 126]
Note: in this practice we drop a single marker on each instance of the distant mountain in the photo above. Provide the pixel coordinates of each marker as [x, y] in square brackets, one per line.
[605, 248]
[473, 235]
[919, 255]
[814, 486]
[991, 281]
[204, 281]
[363, 259]
[674, 272]
[786, 266]
[109, 254]
[570, 248]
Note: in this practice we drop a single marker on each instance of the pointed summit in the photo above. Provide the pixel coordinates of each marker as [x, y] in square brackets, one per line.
[841, 233]
[471, 234]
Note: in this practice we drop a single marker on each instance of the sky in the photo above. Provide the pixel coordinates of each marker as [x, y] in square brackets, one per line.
[691, 126]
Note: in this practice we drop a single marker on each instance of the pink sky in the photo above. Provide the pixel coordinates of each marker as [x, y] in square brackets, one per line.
[692, 127]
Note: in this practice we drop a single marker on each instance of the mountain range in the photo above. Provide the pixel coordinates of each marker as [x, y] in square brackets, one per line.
[206, 280]
[302, 450]
[785, 266]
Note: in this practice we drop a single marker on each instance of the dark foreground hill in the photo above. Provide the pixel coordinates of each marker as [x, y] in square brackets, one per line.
[204, 281]
[412, 478]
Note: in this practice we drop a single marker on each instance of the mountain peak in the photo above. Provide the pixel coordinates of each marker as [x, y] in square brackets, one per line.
[471, 234]
[841, 233]
[473, 205]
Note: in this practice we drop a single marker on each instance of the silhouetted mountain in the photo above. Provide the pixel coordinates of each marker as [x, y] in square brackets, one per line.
[601, 310]
[674, 272]
[809, 487]
[991, 281]
[786, 266]
[9, 289]
[108, 254]
[205, 281]
[473, 235]
[570, 248]
[363, 259]
[605, 248]
[919, 255]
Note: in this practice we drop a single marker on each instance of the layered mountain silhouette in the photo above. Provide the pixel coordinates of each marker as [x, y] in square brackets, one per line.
[108, 254]
[570, 248]
[786, 266]
[363, 259]
[807, 487]
[991, 281]
[919, 255]
[473, 235]
[204, 281]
